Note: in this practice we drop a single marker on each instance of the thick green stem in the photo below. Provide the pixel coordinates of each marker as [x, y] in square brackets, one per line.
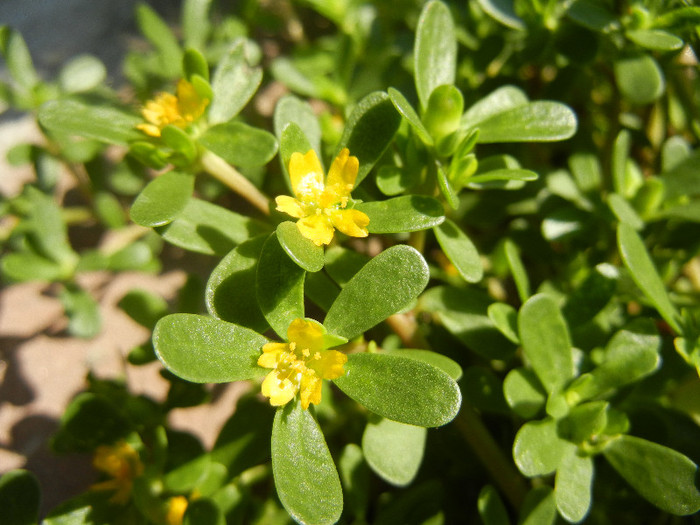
[501, 469]
[228, 175]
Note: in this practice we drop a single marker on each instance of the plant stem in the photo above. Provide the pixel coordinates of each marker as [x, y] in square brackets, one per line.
[508, 479]
[228, 175]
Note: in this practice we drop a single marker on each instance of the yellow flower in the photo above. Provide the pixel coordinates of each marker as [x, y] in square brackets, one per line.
[122, 463]
[320, 205]
[177, 506]
[300, 365]
[178, 110]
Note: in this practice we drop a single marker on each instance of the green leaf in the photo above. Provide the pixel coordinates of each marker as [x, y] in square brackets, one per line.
[517, 269]
[444, 363]
[292, 140]
[27, 266]
[234, 83]
[624, 211]
[240, 144]
[279, 287]
[392, 279]
[162, 199]
[584, 422]
[210, 229]
[20, 496]
[542, 121]
[491, 508]
[545, 339]
[356, 479]
[460, 250]
[300, 249]
[404, 107]
[524, 392]
[630, 355]
[162, 38]
[202, 349]
[184, 150]
[463, 313]
[498, 101]
[83, 312]
[82, 73]
[447, 189]
[369, 130]
[306, 479]
[620, 156]
[592, 15]
[483, 390]
[537, 449]
[196, 26]
[382, 383]
[408, 213]
[290, 109]
[393, 450]
[644, 274]
[435, 50]
[103, 123]
[195, 65]
[18, 59]
[506, 174]
[572, 486]
[639, 79]
[442, 117]
[505, 317]
[655, 39]
[232, 284]
[592, 295]
[663, 476]
[539, 507]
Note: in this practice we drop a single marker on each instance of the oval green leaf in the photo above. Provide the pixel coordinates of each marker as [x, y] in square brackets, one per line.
[279, 287]
[444, 363]
[210, 229]
[240, 144]
[385, 285]
[232, 284]
[234, 83]
[655, 39]
[572, 486]
[639, 79]
[306, 479]
[542, 121]
[538, 449]
[383, 383]
[202, 349]
[638, 262]
[460, 250]
[20, 496]
[300, 249]
[369, 130]
[435, 50]
[162, 199]
[408, 213]
[546, 343]
[393, 450]
[103, 123]
[663, 476]
[404, 107]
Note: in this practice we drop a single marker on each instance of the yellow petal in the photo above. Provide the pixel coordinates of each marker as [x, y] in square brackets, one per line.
[271, 354]
[190, 105]
[351, 222]
[310, 390]
[306, 333]
[177, 506]
[149, 129]
[317, 228]
[329, 364]
[279, 392]
[290, 206]
[306, 176]
[342, 175]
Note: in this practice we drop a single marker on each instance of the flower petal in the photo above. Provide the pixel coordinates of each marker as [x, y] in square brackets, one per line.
[342, 175]
[351, 222]
[317, 228]
[190, 104]
[271, 354]
[306, 333]
[290, 206]
[329, 364]
[306, 176]
[279, 392]
[310, 389]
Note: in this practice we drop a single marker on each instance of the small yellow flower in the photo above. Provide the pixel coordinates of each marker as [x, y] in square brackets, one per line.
[122, 463]
[320, 205]
[177, 506]
[300, 365]
[179, 110]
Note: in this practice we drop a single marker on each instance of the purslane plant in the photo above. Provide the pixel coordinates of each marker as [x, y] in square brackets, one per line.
[502, 247]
